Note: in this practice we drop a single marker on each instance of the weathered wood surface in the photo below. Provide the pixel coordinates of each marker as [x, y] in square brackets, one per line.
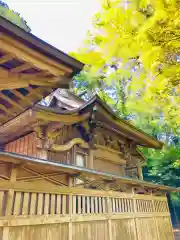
[71, 213]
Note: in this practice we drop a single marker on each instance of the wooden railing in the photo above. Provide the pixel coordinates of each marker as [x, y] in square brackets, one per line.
[21, 202]
[80, 213]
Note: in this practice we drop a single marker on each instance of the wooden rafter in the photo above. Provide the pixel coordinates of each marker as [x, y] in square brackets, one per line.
[29, 55]
[24, 79]
[11, 102]
[6, 110]
[23, 103]
[24, 99]
[22, 67]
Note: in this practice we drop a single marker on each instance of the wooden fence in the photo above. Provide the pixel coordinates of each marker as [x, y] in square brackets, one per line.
[29, 212]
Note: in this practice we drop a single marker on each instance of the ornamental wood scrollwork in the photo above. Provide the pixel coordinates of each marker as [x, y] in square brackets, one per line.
[69, 145]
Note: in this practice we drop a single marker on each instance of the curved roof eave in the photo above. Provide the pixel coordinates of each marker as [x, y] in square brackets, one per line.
[39, 45]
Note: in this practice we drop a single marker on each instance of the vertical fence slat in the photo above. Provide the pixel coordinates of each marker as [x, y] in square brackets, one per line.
[103, 205]
[119, 204]
[64, 206]
[1, 202]
[96, 204]
[33, 204]
[88, 204]
[17, 203]
[100, 204]
[25, 206]
[79, 204]
[58, 208]
[74, 205]
[52, 208]
[46, 203]
[83, 204]
[92, 205]
[40, 204]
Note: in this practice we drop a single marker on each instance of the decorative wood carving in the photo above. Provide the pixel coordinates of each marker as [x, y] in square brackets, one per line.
[69, 145]
[106, 138]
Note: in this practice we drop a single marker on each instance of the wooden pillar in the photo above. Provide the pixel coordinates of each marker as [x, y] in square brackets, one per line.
[42, 142]
[70, 184]
[42, 152]
[9, 202]
[91, 159]
[139, 170]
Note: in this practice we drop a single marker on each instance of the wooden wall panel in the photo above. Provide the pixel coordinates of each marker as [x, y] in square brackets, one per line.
[146, 229]
[61, 157]
[95, 230]
[40, 232]
[108, 167]
[123, 229]
[164, 227]
[25, 145]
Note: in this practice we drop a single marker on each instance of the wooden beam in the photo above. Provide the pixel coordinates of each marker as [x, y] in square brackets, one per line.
[91, 159]
[17, 221]
[6, 110]
[6, 58]
[13, 103]
[41, 114]
[24, 79]
[25, 99]
[22, 67]
[108, 149]
[29, 55]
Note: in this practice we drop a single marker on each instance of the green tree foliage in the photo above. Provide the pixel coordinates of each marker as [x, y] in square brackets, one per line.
[140, 40]
[13, 17]
[132, 61]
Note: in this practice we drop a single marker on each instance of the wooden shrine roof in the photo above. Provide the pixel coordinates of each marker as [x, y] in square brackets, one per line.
[103, 113]
[30, 69]
[95, 107]
[83, 173]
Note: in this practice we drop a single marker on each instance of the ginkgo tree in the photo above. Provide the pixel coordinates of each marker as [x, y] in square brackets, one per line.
[132, 59]
[140, 41]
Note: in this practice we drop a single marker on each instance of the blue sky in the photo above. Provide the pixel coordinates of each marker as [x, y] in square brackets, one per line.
[62, 23]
